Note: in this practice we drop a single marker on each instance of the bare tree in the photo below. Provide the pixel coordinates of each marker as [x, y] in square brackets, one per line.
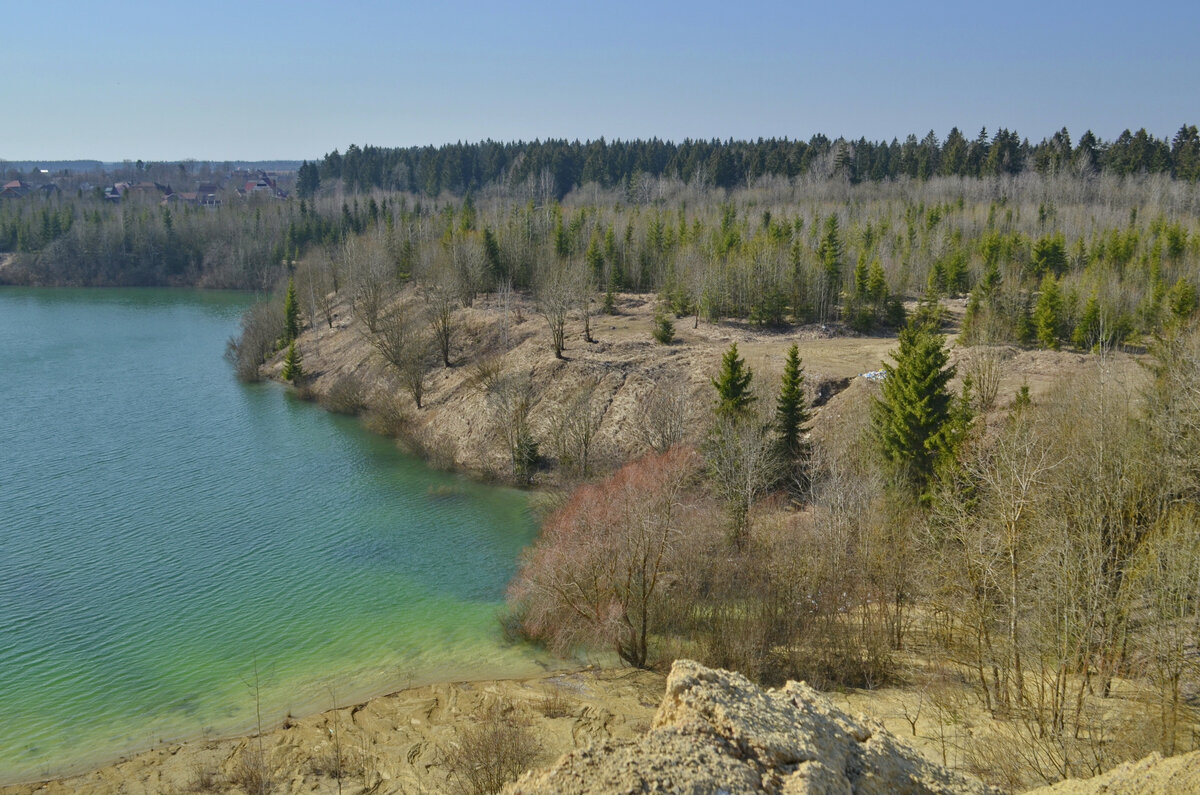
[664, 415]
[470, 268]
[594, 577]
[557, 292]
[371, 278]
[401, 343]
[743, 462]
[505, 296]
[575, 428]
[585, 284]
[510, 397]
[441, 291]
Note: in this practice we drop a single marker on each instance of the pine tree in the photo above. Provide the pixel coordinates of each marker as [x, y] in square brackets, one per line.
[1183, 300]
[595, 257]
[914, 416]
[292, 367]
[830, 251]
[1047, 314]
[308, 180]
[791, 417]
[1087, 330]
[733, 385]
[664, 329]
[291, 313]
[491, 255]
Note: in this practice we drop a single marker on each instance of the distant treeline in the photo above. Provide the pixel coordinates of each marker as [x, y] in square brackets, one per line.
[564, 165]
[24, 169]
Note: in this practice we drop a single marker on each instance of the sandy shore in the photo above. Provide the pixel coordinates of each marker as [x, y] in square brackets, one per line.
[407, 741]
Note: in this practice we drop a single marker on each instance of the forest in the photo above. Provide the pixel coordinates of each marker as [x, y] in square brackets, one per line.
[1031, 556]
[73, 236]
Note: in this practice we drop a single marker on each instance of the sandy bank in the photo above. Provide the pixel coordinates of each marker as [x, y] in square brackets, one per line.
[403, 742]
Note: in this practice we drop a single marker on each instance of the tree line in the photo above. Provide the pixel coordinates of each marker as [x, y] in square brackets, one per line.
[1041, 261]
[564, 165]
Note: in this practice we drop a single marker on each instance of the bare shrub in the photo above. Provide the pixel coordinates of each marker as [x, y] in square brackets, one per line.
[575, 425]
[664, 415]
[554, 704]
[985, 368]
[511, 396]
[262, 326]
[334, 761]
[347, 395]
[594, 577]
[1018, 754]
[493, 751]
[252, 772]
[388, 416]
[204, 779]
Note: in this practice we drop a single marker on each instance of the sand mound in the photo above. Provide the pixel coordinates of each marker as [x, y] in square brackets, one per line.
[1153, 775]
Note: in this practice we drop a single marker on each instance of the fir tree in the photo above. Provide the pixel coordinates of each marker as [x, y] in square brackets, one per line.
[491, 255]
[733, 385]
[1183, 300]
[914, 416]
[595, 257]
[791, 417]
[664, 329]
[830, 251]
[1047, 314]
[291, 313]
[292, 367]
[1087, 330]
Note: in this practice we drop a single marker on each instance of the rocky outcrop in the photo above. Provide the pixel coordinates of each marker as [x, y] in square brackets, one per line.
[716, 732]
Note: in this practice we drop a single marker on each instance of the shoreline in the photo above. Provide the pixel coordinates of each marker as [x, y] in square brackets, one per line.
[305, 709]
[68, 742]
[402, 736]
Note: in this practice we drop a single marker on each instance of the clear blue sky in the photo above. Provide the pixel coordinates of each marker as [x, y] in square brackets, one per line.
[255, 80]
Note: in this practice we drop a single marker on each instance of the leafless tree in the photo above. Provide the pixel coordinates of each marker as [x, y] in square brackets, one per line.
[664, 414]
[743, 462]
[370, 272]
[401, 342]
[441, 291]
[596, 573]
[558, 291]
[511, 397]
[575, 427]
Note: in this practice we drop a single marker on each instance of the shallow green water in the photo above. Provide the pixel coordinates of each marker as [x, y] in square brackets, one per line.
[166, 531]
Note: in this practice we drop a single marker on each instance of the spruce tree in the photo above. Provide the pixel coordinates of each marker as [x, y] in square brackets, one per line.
[664, 329]
[291, 313]
[292, 367]
[1047, 315]
[1087, 330]
[733, 385]
[791, 417]
[914, 416]
[830, 251]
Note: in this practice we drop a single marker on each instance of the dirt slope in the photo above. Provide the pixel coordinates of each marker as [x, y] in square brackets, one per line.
[457, 428]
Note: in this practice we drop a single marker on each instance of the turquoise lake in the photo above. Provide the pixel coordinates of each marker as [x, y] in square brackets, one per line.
[166, 531]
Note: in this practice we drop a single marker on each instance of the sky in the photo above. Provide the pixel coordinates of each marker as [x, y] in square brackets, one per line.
[217, 80]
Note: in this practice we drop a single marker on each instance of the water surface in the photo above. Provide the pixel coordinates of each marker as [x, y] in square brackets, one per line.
[166, 533]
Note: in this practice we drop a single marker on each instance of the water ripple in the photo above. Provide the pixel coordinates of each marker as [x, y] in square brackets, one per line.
[164, 530]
